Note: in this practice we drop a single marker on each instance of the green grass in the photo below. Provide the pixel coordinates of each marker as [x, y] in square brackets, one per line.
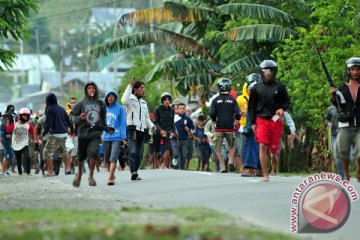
[127, 223]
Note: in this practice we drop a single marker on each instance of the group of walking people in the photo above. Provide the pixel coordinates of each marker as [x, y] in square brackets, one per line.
[248, 127]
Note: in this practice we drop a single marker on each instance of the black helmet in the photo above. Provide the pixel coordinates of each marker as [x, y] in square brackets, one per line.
[165, 95]
[224, 85]
[269, 64]
[254, 77]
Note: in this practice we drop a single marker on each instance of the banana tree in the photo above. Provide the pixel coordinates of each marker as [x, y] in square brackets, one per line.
[202, 31]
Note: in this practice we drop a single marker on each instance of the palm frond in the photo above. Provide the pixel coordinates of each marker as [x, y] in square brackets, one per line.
[244, 63]
[157, 71]
[178, 41]
[255, 11]
[170, 12]
[260, 32]
[183, 84]
[182, 67]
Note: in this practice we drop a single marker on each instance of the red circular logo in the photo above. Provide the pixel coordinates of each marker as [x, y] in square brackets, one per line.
[325, 206]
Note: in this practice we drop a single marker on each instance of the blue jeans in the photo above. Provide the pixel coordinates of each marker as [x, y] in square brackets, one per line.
[136, 141]
[8, 152]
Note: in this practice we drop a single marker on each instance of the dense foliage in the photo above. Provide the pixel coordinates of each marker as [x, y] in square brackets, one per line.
[14, 17]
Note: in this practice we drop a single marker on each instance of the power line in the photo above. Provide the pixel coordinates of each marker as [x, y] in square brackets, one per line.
[72, 11]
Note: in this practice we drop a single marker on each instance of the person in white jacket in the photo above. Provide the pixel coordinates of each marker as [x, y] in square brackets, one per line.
[138, 122]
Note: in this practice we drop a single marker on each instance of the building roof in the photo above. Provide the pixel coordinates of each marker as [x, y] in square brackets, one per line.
[107, 16]
[103, 80]
[26, 62]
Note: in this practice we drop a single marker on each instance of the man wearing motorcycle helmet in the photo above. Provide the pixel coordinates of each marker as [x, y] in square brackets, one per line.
[349, 128]
[225, 112]
[267, 105]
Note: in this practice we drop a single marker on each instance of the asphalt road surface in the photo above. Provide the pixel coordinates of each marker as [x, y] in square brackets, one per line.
[258, 204]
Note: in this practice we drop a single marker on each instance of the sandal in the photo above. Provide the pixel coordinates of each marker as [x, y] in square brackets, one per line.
[52, 174]
[76, 181]
[111, 182]
[138, 178]
[92, 181]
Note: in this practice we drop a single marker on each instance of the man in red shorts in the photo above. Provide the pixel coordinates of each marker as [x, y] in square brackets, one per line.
[268, 102]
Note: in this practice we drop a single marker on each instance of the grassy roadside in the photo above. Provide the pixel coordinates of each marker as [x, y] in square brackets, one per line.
[127, 223]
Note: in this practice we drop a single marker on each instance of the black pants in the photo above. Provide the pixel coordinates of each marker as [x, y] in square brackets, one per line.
[18, 155]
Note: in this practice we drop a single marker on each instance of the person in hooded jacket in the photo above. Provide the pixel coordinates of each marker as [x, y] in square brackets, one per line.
[116, 118]
[56, 124]
[89, 114]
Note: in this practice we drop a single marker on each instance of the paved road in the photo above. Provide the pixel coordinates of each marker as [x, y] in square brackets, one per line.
[265, 205]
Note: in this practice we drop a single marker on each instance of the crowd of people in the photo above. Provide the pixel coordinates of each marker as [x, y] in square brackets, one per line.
[237, 136]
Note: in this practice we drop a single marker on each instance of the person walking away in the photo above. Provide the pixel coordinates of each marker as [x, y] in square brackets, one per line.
[56, 124]
[116, 118]
[138, 121]
[225, 112]
[267, 105]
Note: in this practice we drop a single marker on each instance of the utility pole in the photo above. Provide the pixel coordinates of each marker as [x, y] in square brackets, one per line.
[62, 62]
[22, 62]
[152, 45]
[38, 56]
[114, 36]
[88, 50]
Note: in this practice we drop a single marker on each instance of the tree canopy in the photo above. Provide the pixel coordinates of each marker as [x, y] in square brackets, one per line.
[14, 17]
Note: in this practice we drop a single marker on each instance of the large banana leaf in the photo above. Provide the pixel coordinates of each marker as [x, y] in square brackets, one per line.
[183, 84]
[178, 41]
[260, 32]
[257, 11]
[244, 63]
[194, 30]
[157, 71]
[170, 12]
[182, 67]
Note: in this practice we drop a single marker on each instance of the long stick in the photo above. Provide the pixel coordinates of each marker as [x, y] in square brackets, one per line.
[331, 82]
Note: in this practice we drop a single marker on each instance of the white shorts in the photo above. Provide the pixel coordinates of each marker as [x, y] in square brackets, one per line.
[71, 145]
